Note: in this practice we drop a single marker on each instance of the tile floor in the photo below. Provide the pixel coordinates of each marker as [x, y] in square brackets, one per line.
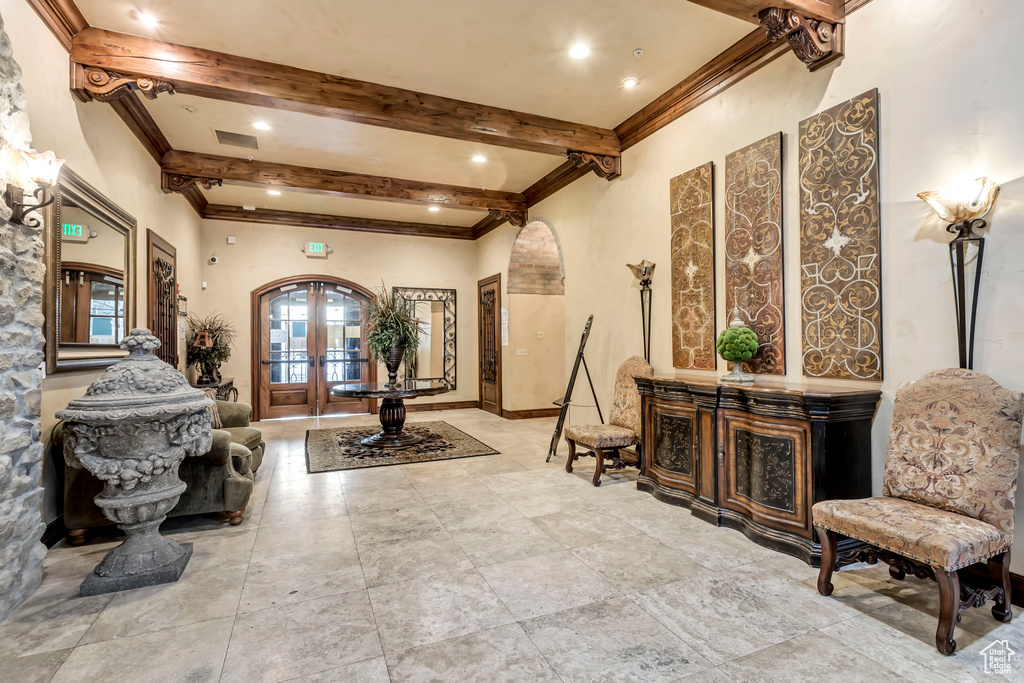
[497, 568]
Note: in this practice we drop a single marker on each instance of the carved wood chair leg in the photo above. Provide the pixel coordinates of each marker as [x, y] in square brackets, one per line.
[235, 517]
[76, 536]
[949, 610]
[999, 571]
[828, 560]
[897, 573]
[572, 455]
[599, 468]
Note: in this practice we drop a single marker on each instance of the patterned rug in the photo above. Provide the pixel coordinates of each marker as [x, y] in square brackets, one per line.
[330, 450]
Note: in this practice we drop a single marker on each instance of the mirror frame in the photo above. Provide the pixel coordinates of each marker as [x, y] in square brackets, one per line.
[446, 297]
[72, 185]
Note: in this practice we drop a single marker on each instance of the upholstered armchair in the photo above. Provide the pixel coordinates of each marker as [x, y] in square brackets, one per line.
[950, 486]
[623, 428]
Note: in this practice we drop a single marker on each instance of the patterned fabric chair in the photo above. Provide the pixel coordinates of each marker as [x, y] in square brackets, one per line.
[950, 486]
[623, 428]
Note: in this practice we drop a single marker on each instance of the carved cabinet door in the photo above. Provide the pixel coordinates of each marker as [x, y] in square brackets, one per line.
[765, 470]
[672, 445]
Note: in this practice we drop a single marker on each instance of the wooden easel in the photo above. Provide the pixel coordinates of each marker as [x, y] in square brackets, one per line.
[567, 399]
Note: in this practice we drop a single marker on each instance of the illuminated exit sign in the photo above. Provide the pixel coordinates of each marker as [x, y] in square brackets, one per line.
[316, 249]
[73, 232]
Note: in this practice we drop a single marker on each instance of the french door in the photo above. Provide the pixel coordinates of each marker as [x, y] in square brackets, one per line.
[489, 311]
[311, 339]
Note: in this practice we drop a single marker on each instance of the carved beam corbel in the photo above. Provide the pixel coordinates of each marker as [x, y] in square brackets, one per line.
[90, 83]
[604, 165]
[517, 218]
[816, 43]
[176, 182]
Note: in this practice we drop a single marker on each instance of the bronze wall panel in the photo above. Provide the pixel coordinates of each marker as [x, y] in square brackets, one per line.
[753, 248]
[693, 269]
[840, 269]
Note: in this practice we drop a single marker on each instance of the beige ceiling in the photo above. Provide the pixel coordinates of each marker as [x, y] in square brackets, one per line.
[506, 54]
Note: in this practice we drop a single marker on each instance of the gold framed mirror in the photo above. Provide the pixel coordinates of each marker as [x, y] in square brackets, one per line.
[90, 294]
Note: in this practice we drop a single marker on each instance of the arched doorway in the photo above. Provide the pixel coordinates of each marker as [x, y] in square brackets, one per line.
[308, 337]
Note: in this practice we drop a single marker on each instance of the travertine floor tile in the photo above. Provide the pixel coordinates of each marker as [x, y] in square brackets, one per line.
[411, 557]
[371, 671]
[504, 542]
[586, 526]
[636, 563]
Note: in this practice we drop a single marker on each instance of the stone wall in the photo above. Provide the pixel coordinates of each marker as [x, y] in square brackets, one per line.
[535, 266]
[21, 351]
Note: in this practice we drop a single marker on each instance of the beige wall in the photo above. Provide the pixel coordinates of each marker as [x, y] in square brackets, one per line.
[533, 381]
[264, 253]
[100, 148]
[950, 111]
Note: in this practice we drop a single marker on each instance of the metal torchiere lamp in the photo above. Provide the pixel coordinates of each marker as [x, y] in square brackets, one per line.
[643, 272]
[964, 211]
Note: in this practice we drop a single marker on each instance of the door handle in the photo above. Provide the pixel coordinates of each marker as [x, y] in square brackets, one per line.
[323, 361]
[312, 362]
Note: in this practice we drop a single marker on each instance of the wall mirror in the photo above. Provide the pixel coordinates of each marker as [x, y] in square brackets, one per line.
[90, 277]
[435, 309]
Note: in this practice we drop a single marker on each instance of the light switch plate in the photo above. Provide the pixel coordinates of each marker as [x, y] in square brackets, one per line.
[231, 239]
[520, 352]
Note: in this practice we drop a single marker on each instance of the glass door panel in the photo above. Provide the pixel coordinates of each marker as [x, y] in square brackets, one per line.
[287, 339]
[341, 360]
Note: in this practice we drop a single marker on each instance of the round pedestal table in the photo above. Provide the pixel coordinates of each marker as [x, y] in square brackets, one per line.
[392, 408]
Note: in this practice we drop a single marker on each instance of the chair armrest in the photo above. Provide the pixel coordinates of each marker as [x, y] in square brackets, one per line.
[234, 414]
[220, 450]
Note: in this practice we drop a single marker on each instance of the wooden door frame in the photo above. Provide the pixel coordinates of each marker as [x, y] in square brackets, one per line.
[154, 242]
[255, 332]
[496, 279]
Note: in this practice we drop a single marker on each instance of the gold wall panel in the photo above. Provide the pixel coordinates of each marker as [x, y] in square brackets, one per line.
[693, 269]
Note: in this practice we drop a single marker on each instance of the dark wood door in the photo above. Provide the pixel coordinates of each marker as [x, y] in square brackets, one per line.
[489, 298]
[162, 307]
[311, 339]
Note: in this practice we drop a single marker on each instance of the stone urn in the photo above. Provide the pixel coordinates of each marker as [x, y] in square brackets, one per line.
[131, 430]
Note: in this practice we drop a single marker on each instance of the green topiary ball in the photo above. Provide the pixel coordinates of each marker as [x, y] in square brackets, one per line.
[737, 344]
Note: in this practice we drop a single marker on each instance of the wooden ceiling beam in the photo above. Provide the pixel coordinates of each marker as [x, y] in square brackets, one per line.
[203, 168]
[832, 11]
[220, 76]
[223, 212]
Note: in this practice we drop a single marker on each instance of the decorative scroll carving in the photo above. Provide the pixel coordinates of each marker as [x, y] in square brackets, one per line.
[815, 42]
[447, 298]
[175, 182]
[517, 218]
[840, 273]
[765, 469]
[673, 439]
[753, 248]
[693, 269]
[106, 86]
[604, 165]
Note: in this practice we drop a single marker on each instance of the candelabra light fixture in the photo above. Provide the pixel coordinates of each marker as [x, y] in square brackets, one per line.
[964, 210]
[37, 168]
[644, 272]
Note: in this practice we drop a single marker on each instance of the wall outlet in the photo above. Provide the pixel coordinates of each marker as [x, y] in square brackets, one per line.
[540, 335]
[520, 352]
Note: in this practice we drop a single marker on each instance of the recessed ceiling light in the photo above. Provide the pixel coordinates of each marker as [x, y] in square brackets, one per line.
[435, 209]
[479, 158]
[148, 19]
[274, 192]
[579, 52]
[261, 125]
[629, 82]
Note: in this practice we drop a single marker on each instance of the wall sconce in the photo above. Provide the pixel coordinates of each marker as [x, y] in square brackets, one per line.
[964, 209]
[41, 169]
[643, 272]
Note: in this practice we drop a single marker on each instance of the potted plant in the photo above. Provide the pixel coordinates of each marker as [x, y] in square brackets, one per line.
[208, 344]
[393, 332]
[737, 344]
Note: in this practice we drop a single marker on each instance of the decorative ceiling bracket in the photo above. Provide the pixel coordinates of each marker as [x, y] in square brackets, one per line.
[516, 218]
[176, 182]
[817, 43]
[604, 165]
[107, 86]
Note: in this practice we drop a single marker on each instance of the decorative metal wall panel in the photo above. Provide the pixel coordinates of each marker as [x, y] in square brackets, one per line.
[840, 273]
[673, 437]
[693, 269]
[753, 248]
[766, 469]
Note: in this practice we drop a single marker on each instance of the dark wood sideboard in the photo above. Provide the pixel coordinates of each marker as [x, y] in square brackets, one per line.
[756, 458]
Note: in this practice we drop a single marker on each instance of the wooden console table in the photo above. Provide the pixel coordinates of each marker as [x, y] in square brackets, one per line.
[756, 458]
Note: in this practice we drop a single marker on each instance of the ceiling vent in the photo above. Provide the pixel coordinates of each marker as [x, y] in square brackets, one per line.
[237, 139]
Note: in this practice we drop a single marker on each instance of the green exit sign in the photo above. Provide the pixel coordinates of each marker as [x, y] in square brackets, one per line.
[317, 250]
[73, 232]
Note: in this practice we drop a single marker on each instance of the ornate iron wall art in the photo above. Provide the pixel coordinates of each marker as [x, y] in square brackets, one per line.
[766, 469]
[447, 298]
[840, 269]
[166, 327]
[753, 248]
[693, 269]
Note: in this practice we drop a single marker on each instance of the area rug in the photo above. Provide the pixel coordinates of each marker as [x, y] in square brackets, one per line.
[330, 450]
